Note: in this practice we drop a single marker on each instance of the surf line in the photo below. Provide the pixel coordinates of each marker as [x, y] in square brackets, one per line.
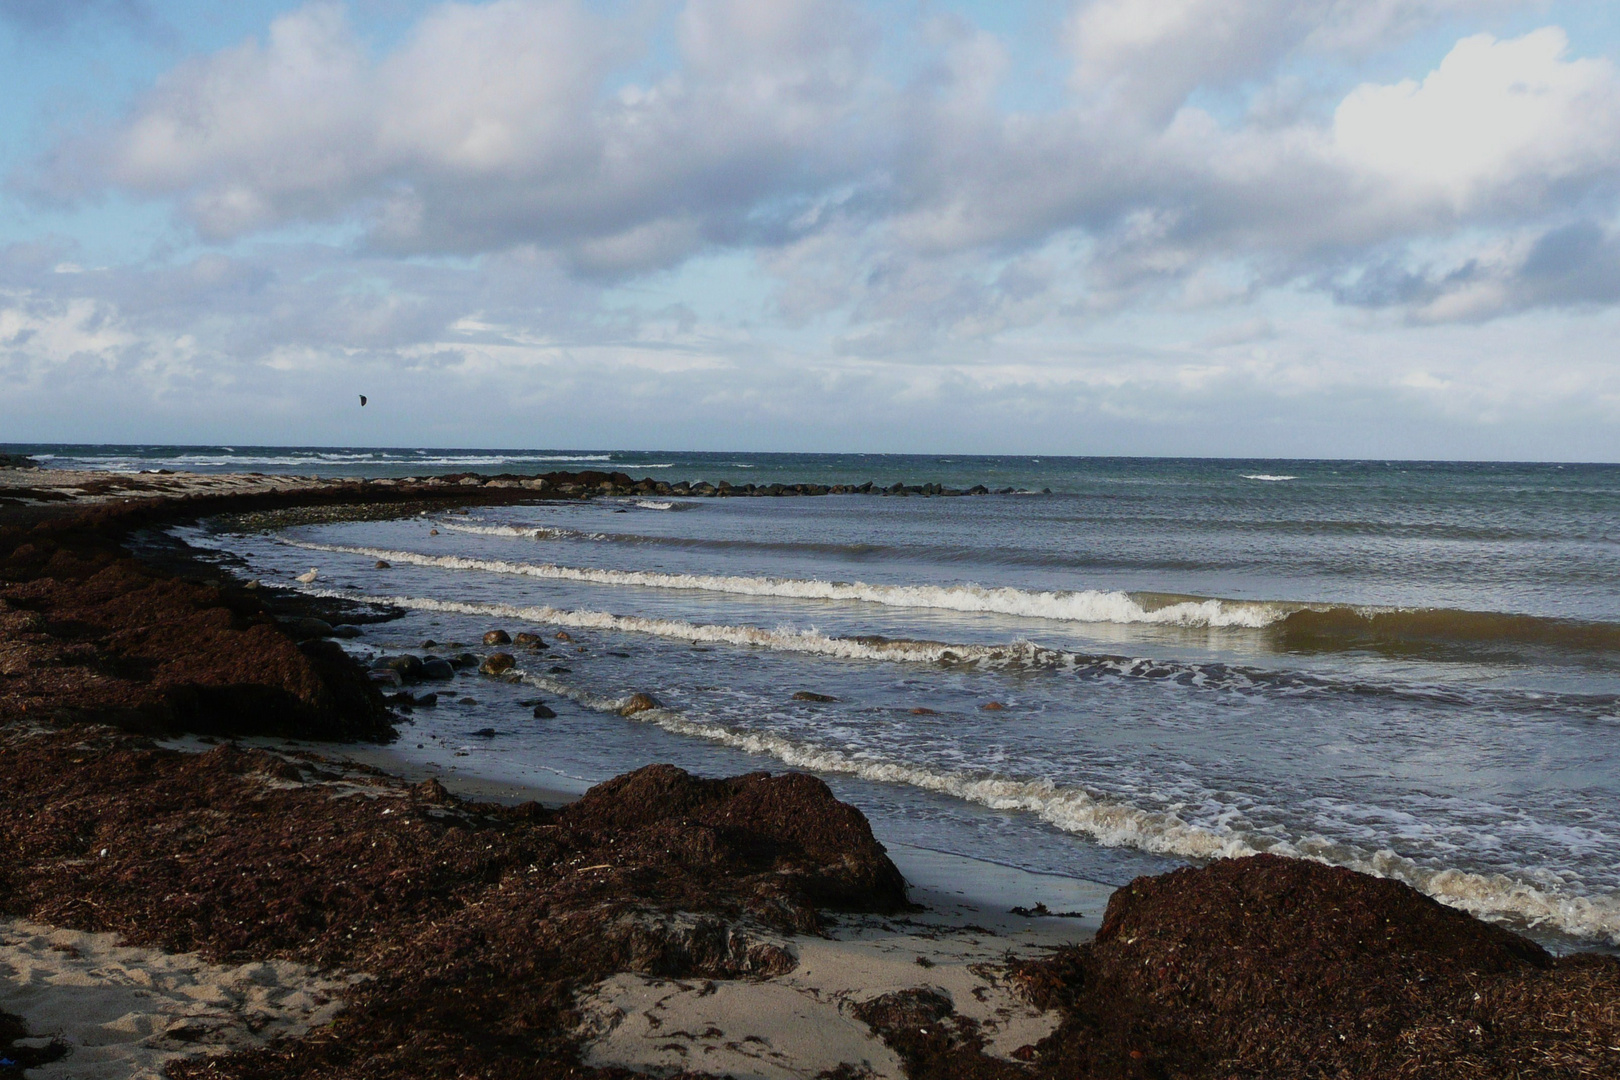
[1021, 653]
[1087, 606]
[1112, 822]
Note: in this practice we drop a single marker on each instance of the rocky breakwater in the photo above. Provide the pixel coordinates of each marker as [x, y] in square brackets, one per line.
[475, 924]
[588, 484]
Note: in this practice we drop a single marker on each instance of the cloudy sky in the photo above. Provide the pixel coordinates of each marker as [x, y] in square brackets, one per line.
[1382, 228]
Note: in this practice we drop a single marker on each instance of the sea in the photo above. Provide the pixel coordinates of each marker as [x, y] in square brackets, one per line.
[1111, 667]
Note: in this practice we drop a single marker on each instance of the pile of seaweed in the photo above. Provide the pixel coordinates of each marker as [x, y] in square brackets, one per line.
[476, 922]
[1285, 968]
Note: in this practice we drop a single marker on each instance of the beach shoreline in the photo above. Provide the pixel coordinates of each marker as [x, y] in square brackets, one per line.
[758, 909]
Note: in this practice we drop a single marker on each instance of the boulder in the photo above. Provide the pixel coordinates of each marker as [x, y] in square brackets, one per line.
[408, 666]
[438, 670]
[497, 637]
[544, 712]
[639, 703]
[530, 641]
[497, 663]
[810, 695]
[346, 630]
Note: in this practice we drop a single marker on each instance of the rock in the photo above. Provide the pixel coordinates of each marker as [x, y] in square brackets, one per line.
[530, 641]
[639, 703]
[992, 706]
[346, 630]
[486, 733]
[469, 481]
[497, 637]
[543, 712]
[807, 695]
[433, 532]
[309, 628]
[408, 666]
[386, 677]
[563, 635]
[438, 670]
[464, 660]
[382, 564]
[921, 711]
[497, 663]
[558, 669]
[427, 701]
[429, 643]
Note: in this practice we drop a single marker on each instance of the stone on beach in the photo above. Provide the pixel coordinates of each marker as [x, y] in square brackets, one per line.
[544, 712]
[497, 637]
[811, 695]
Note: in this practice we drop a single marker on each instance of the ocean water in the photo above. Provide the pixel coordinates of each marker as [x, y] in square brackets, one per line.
[1411, 669]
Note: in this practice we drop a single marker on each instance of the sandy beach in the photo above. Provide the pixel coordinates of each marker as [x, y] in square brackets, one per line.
[220, 867]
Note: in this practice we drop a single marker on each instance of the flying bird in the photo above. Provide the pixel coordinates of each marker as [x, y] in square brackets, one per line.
[362, 401]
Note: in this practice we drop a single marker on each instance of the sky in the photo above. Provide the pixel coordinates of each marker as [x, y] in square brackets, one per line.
[1256, 228]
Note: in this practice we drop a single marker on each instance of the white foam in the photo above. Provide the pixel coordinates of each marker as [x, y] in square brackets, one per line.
[650, 504]
[1268, 477]
[1087, 606]
[1114, 823]
[784, 639]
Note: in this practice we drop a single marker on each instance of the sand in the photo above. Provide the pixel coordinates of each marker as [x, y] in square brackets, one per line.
[801, 1024]
[125, 1012]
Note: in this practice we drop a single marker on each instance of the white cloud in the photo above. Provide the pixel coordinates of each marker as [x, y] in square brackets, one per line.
[491, 126]
[1152, 53]
[1496, 121]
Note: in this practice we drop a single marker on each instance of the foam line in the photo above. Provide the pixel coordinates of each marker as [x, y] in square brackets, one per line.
[1114, 823]
[1088, 606]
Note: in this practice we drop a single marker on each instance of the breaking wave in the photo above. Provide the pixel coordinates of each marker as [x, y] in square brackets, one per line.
[1115, 823]
[1087, 606]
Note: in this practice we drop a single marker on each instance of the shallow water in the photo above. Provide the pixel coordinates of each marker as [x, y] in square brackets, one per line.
[1407, 669]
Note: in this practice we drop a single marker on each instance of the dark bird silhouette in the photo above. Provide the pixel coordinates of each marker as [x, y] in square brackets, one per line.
[362, 401]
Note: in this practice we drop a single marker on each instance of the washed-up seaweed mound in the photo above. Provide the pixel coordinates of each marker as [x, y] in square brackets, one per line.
[477, 922]
[817, 851]
[88, 633]
[1285, 968]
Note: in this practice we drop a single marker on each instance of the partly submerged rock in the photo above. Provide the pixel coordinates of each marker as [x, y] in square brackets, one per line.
[497, 663]
[638, 703]
[497, 637]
